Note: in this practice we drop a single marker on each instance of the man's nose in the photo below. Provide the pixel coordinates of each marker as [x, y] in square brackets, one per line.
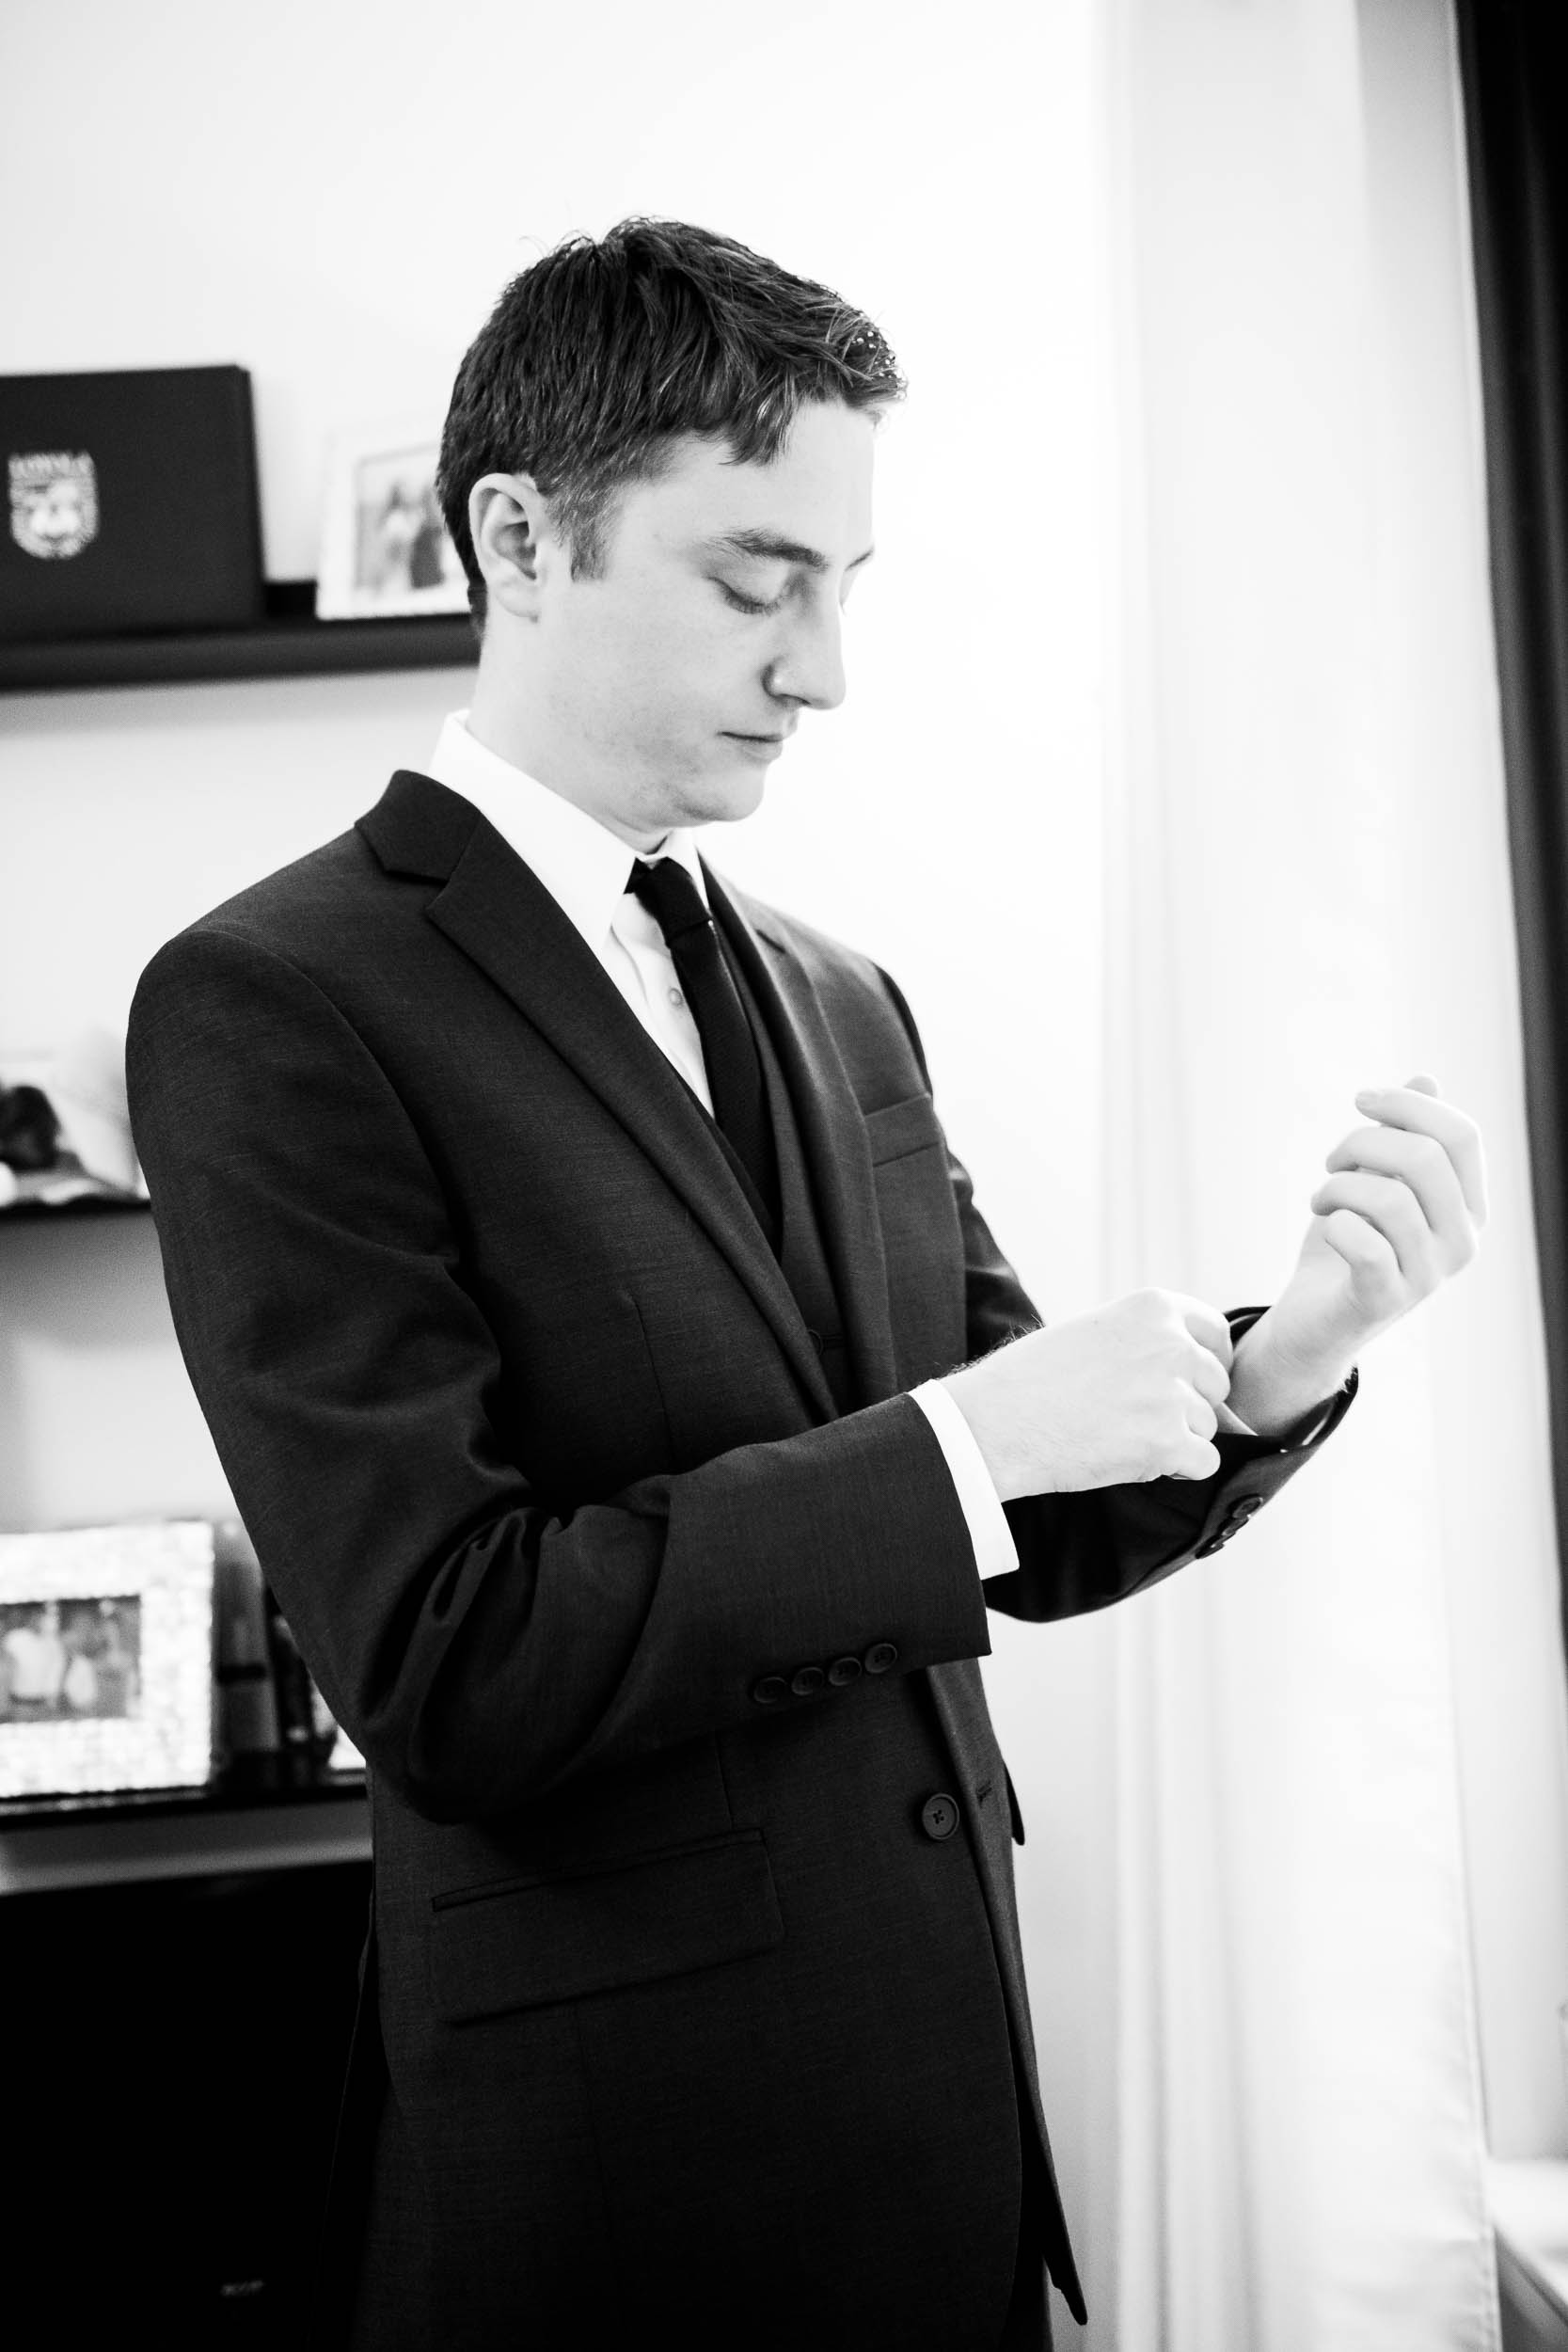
[811, 668]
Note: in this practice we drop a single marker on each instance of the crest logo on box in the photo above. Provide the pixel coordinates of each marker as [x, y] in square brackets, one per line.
[53, 503]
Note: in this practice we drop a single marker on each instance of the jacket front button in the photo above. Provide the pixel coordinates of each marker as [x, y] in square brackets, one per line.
[938, 1817]
[805, 1679]
[880, 1656]
[769, 1691]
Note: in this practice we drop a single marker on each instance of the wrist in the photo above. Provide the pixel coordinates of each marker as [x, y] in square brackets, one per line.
[959, 1388]
[968, 1389]
[1273, 1387]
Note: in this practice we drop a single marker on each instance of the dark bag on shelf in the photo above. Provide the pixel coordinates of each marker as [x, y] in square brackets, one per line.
[131, 503]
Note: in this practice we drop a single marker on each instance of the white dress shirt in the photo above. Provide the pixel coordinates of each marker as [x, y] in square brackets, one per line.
[584, 866]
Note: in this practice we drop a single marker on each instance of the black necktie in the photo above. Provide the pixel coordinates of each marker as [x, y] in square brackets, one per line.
[729, 1049]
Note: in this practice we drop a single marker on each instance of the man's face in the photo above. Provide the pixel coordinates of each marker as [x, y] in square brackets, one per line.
[667, 687]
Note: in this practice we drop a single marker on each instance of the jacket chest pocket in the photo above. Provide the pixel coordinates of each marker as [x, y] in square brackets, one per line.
[521, 1942]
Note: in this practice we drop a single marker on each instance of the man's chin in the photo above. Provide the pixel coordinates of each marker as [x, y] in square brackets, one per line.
[725, 799]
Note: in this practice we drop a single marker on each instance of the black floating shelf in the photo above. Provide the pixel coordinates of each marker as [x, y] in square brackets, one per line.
[290, 643]
[249, 1785]
[70, 1212]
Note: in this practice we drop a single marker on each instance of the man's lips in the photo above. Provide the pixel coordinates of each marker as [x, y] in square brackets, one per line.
[759, 747]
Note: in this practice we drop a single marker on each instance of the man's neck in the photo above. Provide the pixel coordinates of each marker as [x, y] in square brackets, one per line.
[493, 722]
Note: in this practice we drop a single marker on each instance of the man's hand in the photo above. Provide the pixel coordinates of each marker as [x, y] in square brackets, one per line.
[1402, 1210]
[1126, 1392]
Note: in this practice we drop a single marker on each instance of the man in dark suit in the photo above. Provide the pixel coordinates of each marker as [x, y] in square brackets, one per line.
[637, 1420]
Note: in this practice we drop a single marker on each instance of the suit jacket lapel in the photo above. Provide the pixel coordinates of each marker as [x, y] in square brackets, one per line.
[497, 912]
[833, 1133]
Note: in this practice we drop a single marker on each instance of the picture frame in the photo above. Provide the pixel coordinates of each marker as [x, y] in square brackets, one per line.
[106, 1659]
[385, 550]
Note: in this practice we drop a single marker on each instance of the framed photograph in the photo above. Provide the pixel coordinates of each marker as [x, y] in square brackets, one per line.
[385, 550]
[106, 1659]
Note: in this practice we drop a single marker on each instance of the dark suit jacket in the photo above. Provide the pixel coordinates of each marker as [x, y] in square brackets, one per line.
[689, 2018]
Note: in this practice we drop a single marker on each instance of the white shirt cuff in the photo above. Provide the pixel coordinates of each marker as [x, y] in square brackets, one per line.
[1304, 1433]
[995, 1553]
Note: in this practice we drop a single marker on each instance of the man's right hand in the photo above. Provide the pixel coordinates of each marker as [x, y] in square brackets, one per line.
[1126, 1392]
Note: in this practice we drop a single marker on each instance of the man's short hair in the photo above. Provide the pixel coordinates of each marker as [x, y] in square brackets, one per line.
[602, 354]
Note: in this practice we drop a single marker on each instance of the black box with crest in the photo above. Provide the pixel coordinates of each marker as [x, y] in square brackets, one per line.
[131, 503]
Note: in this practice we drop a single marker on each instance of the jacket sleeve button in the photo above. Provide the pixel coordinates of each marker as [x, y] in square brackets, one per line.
[769, 1691]
[880, 1656]
[806, 1680]
[844, 1670]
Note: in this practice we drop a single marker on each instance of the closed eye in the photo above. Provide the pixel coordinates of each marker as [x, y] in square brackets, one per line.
[748, 604]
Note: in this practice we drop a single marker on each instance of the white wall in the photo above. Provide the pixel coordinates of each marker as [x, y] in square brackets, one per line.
[334, 204]
[332, 195]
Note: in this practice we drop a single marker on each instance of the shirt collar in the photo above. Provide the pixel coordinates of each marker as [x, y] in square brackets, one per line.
[581, 863]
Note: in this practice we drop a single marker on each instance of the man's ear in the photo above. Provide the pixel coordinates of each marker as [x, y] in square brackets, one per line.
[509, 523]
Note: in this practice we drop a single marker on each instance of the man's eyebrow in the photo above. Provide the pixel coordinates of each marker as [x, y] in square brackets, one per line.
[772, 548]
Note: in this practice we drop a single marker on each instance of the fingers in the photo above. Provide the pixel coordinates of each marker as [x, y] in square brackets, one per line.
[1196, 1459]
[1206, 1364]
[1417, 1109]
[1372, 1258]
[1421, 1165]
[1207, 1326]
[1207, 1376]
[1202, 1419]
[1393, 1209]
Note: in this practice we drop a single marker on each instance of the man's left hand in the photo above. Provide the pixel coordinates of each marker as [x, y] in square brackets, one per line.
[1402, 1210]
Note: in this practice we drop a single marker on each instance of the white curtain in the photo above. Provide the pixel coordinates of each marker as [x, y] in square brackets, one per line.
[1246, 1883]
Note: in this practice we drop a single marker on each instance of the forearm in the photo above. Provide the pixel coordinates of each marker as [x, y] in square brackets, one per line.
[1272, 1392]
[483, 1644]
[1084, 1551]
[545, 1645]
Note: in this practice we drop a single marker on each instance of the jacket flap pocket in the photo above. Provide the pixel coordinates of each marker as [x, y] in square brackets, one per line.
[519, 1944]
[901, 1128]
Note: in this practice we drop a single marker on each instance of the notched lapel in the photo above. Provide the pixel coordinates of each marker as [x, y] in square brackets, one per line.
[832, 1134]
[495, 909]
[417, 826]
